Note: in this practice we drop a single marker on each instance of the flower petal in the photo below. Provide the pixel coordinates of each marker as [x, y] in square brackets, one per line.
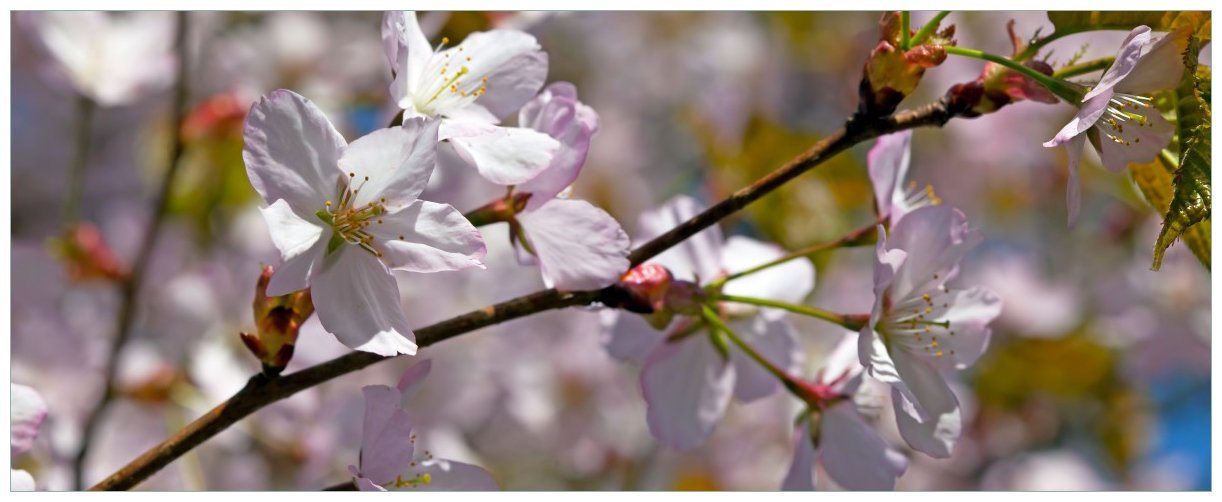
[627, 336]
[874, 357]
[687, 385]
[1127, 57]
[1073, 185]
[1131, 142]
[357, 300]
[773, 339]
[969, 314]
[366, 485]
[435, 238]
[448, 475]
[27, 410]
[579, 246]
[21, 481]
[789, 282]
[502, 155]
[393, 163]
[1086, 117]
[513, 63]
[888, 165]
[407, 49]
[1159, 68]
[853, 454]
[936, 238]
[699, 256]
[291, 233]
[926, 410]
[291, 151]
[557, 113]
[386, 435]
[414, 375]
[801, 475]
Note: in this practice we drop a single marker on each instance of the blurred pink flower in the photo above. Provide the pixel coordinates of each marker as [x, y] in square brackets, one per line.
[388, 458]
[470, 87]
[344, 215]
[686, 380]
[26, 413]
[1120, 108]
[838, 436]
[918, 327]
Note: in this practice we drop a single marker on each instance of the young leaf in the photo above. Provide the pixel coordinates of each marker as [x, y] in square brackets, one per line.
[1156, 182]
[1190, 203]
[1065, 23]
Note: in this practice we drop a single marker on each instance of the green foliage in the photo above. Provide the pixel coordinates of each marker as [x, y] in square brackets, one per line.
[1190, 202]
[1065, 23]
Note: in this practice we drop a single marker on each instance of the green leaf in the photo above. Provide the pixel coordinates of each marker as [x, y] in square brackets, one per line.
[1156, 182]
[1065, 23]
[1190, 202]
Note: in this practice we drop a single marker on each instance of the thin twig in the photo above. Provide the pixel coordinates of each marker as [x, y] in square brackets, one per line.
[130, 287]
[261, 391]
[80, 160]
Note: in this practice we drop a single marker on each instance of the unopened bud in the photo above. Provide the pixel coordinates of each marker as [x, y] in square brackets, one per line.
[499, 210]
[643, 289]
[278, 320]
[86, 254]
[219, 116]
[891, 73]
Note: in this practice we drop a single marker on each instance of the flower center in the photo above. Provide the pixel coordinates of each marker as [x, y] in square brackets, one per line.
[1121, 112]
[911, 325]
[916, 197]
[350, 221]
[443, 88]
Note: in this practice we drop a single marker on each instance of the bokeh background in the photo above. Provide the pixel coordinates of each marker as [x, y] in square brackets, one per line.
[1097, 377]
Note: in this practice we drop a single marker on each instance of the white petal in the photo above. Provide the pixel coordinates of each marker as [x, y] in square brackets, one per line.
[627, 336]
[557, 113]
[291, 151]
[1085, 118]
[292, 234]
[579, 246]
[1161, 67]
[502, 155]
[1125, 62]
[357, 300]
[27, 410]
[873, 355]
[936, 238]
[789, 282]
[696, 256]
[393, 163]
[386, 445]
[926, 410]
[801, 475]
[512, 61]
[969, 315]
[687, 385]
[436, 238]
[853, 454]
[1133, 143]
[773, 339]
[448, 475]
[21, 481]
[888, 165]
[294, 273]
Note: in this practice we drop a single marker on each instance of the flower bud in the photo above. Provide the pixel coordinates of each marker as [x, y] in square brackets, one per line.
[998, 86]
[891, 72]
[277, 319]
[86, 254]
[642, 289]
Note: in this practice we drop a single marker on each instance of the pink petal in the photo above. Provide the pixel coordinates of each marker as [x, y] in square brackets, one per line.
[687, 385]
[514, 64]
[773, 339]
[1086, 117]
[926, 410]
[1159, 68]
[579, 246]
[1127, 58]
[557, 113]
[627, 336]
[435, 238]
[969, 315]
[27, 410]
[386, 433]
[291, 151]
[502, 155]
[357, 300]
[888, 165]
[697, 256]
[789, 282]
[801, 475]
[853, 454]
[392, 164]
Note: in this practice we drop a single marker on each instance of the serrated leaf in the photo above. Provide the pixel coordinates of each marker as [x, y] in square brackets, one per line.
[1190, 202]
[1066, 22]
[1156, 182]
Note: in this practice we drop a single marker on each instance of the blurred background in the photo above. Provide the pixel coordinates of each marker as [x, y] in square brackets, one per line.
[1097, 377]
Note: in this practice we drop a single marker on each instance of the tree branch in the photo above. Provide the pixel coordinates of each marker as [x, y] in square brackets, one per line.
[261, 390]
[130, 287]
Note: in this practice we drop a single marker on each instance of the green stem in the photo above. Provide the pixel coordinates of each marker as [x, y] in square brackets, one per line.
[1058, 87]
[1169, 160]
[905, 42]
[851, 322]
[929, 28]
[716, 323]
[854, 238]
[1083, 68]
[76, 176]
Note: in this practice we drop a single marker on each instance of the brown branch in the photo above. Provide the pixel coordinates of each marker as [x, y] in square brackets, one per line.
[261, 391]
[130, 286]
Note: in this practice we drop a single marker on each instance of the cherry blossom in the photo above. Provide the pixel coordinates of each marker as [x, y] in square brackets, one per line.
[1118, 115]
[918, 327]
[111, 59]
[344, 215]
[470, 88]
[26, 413]
[389, 460]
[888, 164]
[835, 434]
[689, 373]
